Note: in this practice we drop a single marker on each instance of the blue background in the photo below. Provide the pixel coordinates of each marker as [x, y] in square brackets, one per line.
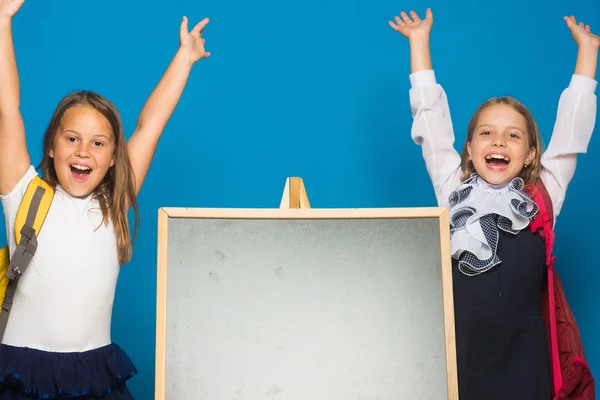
[317, 89]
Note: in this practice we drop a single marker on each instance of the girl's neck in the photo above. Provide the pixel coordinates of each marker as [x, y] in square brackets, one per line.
[486, 185]
[65, 193]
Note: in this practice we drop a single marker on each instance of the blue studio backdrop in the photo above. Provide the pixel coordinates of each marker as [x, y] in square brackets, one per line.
[317, 89]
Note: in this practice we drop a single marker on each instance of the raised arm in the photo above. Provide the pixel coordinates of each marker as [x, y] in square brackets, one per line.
[14, 158]
[575, 119]
[432, 125]
[164, 99]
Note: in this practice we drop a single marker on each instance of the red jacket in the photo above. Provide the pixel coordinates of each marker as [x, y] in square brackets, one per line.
[571, 375]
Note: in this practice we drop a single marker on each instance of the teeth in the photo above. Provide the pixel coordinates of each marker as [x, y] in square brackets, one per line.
[497, 157]
[81, 167]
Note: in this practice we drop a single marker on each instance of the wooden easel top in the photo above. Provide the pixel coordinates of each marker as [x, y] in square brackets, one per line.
[294, 194]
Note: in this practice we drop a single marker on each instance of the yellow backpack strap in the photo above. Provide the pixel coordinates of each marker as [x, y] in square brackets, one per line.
[34, 207]
[30, 216]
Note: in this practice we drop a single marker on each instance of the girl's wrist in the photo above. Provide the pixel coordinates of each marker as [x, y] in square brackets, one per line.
[420, 57]
[183, 55]
[587, 62]
[420, 39]
[588, 47]
[5, 21]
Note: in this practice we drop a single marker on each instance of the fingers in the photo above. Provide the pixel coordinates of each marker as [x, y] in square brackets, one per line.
[572, 24]
[183, 28]
[428, 14]
[405, 18]
[199, 28]
[570, 21]
[404, 21]
[414, 16]
[398, 25]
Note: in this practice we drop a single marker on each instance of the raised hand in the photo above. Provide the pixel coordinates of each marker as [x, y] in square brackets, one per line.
[415, 27]
[582, 33]
[8, 8]
[193, 42]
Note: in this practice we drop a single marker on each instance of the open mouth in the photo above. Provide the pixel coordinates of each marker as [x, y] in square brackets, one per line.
[80, 172]
[497, 162]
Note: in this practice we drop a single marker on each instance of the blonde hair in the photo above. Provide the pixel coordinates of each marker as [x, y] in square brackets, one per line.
[116, 191]
[529, 174]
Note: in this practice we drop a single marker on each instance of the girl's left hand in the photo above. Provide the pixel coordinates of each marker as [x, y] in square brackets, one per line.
[581, 33]
[193, 42]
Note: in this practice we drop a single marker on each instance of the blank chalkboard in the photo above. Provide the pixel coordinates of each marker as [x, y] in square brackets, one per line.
[320, 304]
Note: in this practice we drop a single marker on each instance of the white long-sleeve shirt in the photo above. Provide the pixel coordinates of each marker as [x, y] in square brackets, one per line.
[432, 129]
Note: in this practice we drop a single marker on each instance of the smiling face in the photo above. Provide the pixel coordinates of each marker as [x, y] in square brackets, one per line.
[82, 150]
[500, 144]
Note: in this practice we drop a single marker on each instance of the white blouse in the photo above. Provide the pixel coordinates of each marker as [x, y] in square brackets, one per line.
[432, 129]
[477, 209]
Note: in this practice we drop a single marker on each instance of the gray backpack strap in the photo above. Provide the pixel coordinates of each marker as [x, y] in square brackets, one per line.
[24, 252]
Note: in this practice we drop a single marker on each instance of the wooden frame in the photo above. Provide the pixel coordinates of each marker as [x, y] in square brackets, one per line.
[295, 211]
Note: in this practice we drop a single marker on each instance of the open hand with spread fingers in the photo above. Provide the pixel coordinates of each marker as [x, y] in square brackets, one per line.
[415, 27]
[582, 33]
[8, 8]
[193, 42]
[588, 46]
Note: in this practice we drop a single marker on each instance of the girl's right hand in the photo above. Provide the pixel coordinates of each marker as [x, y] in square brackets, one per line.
[415, 28]
[582, 33]
[8, 8]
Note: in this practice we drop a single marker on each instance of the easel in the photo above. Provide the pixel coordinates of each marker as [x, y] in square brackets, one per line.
[294, 206]
[294, 194]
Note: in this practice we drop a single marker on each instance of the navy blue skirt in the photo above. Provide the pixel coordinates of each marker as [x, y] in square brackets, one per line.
[101, 373]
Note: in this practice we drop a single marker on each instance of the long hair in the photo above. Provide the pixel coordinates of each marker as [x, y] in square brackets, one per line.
[116, 192]
[529, 174]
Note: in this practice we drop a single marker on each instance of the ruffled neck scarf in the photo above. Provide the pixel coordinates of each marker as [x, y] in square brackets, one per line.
[477, 210]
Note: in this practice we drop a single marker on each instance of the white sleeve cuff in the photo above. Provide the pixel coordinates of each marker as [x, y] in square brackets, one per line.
[422, 78]
[583, 83]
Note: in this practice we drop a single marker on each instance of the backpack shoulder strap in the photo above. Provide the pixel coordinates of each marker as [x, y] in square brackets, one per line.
[29, 220]
[544, 223]
[545, 198]
[34, 207]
